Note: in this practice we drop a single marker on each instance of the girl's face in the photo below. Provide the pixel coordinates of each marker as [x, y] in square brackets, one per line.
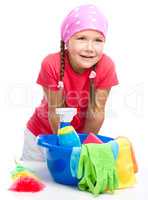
[85, 49]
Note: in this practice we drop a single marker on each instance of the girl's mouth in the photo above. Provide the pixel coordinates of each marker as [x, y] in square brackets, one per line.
[86, 56]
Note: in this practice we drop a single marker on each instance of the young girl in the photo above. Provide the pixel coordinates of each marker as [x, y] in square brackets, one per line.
[79, 76]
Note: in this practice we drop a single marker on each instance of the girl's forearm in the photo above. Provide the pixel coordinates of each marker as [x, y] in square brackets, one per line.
[54, 121]
[93, 122]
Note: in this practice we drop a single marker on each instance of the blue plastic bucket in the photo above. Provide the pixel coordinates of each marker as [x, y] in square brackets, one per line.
[58, 157]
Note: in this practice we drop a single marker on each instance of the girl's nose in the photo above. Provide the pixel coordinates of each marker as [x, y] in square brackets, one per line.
[90, 46]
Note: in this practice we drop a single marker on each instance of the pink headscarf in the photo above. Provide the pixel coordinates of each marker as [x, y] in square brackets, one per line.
[82, 18]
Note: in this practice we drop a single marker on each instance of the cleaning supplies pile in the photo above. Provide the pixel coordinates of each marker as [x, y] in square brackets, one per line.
[99, 167]
[104, 167]
[95, 166]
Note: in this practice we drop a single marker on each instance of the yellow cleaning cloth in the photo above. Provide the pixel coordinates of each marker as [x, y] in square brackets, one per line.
[125, 166]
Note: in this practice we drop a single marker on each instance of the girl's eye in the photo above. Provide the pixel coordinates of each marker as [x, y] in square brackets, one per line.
[99, 40]
[81, 38]
[96, 40]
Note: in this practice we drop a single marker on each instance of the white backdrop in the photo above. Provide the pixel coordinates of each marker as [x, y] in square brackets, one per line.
[30, 29]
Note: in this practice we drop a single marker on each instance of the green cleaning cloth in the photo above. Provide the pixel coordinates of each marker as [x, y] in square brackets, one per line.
[97, 169]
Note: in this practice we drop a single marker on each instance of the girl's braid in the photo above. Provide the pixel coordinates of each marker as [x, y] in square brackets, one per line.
[62, 67]
[62, 62]
[92, 91]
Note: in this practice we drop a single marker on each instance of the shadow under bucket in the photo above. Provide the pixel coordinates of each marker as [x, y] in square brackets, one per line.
[58, 157]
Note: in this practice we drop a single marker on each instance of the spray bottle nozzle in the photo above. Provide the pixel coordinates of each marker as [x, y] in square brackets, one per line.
[66, 114]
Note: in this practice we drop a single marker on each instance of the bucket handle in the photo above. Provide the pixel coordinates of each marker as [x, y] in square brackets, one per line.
[40, 141]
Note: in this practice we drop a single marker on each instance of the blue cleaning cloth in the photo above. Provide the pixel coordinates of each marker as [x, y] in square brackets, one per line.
[74, 160]
[115, 148]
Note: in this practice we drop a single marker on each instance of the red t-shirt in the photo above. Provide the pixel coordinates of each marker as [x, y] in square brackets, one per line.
[76, 89]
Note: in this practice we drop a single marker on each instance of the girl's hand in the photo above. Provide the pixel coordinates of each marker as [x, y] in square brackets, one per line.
[55, 99]
[100, 102]
[95, 113]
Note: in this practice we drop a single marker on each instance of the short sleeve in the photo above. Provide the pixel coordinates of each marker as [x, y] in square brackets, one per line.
[106, 74]
[48, 76]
